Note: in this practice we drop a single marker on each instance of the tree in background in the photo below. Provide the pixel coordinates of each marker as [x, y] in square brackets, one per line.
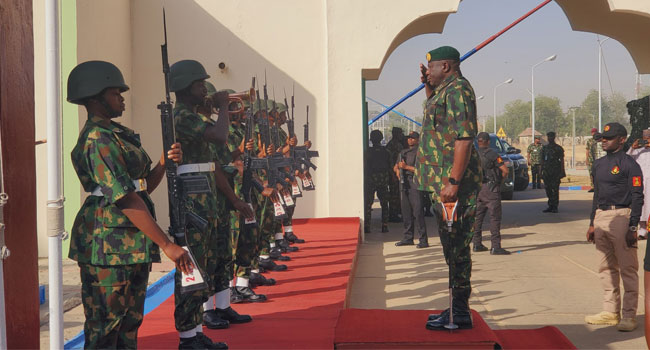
[548, 116]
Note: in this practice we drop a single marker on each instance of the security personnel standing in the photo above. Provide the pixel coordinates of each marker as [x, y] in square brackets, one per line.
[377, 175]
[535, 161]
[412, 198]
[615, 214]
[489, 198]
[115, 237]
[195, 129]
[448, 167]
[394, 148]
[552, 171]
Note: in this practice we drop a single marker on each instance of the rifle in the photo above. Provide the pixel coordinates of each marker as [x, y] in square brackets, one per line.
[178, 187]
[295, 189]
[303, 156]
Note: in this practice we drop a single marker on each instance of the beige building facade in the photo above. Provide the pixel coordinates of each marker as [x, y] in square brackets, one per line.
[328, 48]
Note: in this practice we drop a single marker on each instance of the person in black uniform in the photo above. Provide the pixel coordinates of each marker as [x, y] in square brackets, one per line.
[615, 214]
[489, 198]
[377, 175]
[411, 200]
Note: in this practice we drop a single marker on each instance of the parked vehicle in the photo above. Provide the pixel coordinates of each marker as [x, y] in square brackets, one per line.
[520, 164]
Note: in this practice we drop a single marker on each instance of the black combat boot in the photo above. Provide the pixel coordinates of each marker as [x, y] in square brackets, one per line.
[233, 316]
[249, 296]
[292, 238]
[212, 320]
[270, 265]
[284, 245]
[276, 254]
[257, 279]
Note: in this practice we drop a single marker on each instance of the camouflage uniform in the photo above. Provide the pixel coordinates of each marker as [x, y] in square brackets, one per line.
[552, 173]
[114, 257]
[535, 153]
[224, 251]
[450, 114]
[591, 156]
[189, 128]
[244, 241]
[377, 177]
[394, 147]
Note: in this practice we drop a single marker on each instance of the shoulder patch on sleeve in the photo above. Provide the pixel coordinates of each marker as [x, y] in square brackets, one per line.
[636, 181]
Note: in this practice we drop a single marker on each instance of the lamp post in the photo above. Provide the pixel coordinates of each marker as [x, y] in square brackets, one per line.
[532, 89]
[573, 138]
[495, 102]
[480, 98]
[600, 97]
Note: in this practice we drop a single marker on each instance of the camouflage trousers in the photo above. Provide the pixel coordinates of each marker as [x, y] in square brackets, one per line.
[456, 248]
[269, 226]
[288, 221]
[377, 182]
[188, 309]
[552, 187]
[223, 256]
[265, 220]
[113, 300]
[394, 199]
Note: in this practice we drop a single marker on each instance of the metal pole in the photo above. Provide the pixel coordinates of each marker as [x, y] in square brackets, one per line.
[600, 97]
[55, 219]
[573, 139]
[495, 109]
[532, 93]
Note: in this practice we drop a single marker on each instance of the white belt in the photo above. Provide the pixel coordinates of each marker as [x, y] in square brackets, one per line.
[140, 185]
[195, 168]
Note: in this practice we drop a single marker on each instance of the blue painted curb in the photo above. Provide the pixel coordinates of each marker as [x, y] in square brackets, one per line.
[569, 188]
[157, 293]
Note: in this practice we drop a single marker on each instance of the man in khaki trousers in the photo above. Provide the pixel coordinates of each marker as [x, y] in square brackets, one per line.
[616, 211]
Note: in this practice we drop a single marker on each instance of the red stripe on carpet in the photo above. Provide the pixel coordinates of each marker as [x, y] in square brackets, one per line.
[304, 305]
[403, 329]
[548, 337]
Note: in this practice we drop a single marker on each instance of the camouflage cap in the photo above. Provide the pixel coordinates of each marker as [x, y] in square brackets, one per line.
[443, 53]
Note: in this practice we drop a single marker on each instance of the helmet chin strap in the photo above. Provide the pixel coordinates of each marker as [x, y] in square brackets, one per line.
[111, 112]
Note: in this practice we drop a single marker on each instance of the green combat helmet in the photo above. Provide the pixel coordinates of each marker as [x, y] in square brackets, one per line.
[211, 89]
[90, 78]
[183, 73]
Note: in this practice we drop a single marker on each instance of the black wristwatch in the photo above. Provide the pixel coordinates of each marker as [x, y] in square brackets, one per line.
[453, 181]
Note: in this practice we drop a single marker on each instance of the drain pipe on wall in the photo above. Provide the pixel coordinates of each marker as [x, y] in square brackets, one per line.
[55, 220]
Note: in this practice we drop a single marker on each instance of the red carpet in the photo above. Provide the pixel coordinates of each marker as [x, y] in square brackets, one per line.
[404, 329]
[304, 305]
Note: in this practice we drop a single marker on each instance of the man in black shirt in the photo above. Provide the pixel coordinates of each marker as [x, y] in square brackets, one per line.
[616, 210]
[412, 211]
[489, 198]
[377, 175]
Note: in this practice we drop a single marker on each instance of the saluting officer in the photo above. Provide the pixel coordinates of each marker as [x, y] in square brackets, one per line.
[615, 214]
[448, 167]
[412, 211]
[489, 198]
[115, 237]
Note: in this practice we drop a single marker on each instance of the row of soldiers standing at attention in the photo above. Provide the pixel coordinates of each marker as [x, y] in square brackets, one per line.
[115, 237]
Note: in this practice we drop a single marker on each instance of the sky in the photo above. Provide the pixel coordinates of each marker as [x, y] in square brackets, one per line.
[546, 32]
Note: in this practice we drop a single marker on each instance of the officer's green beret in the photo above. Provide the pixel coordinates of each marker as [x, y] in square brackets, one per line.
[443, 53]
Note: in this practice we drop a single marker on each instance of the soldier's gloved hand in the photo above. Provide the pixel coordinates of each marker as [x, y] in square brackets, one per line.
[175, 154]
[180, 257]
[590, 235]
[243, 208]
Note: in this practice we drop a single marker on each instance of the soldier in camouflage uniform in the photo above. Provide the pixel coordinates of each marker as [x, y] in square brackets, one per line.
[535, 161]
[115, 237]
[201, 134]
[448, 167]
[394, 148]
[377, 175]
[591, 156]
[552, 171]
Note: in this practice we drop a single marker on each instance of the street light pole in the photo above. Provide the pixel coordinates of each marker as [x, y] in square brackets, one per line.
[532, 90]
[600, 97]
[508, 81]
[477, 99]
[573, 139]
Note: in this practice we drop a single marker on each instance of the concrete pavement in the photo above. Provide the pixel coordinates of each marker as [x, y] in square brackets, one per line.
[550, 279]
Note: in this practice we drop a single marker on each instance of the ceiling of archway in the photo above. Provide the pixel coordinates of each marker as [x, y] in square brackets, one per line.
[627, 21]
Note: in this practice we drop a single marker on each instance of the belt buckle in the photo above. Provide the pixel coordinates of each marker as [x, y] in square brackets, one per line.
[142, 185]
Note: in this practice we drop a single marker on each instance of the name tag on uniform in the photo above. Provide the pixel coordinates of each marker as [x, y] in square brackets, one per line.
[191, 281]
[250, 220]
